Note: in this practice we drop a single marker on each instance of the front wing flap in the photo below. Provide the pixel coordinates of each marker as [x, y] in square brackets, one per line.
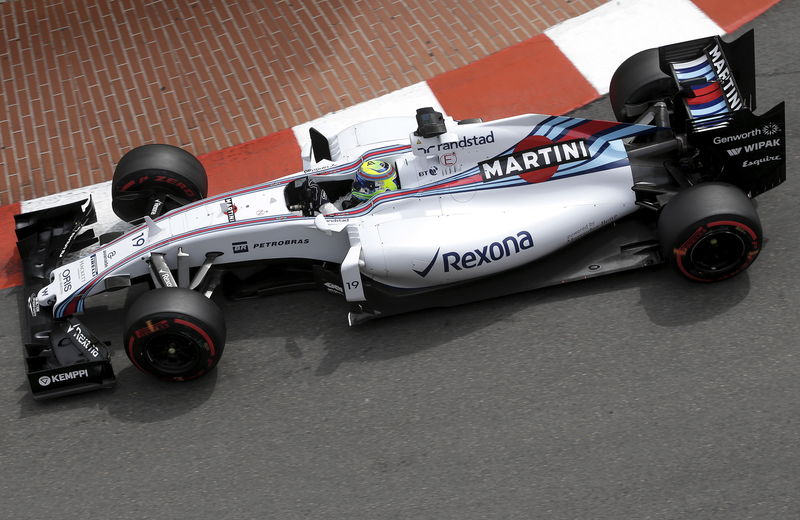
[66, 360]
[62, 356]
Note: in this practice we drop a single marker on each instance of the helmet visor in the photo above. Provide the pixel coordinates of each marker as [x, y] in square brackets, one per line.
[361, 184]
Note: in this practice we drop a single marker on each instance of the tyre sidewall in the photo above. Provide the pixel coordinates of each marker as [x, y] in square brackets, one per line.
[187, 317]
[700, 213]
[730, 224]
[639, 79]
[160, 169]
[162, 181]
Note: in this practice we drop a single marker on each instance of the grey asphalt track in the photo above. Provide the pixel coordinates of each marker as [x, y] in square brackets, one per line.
[637, 395]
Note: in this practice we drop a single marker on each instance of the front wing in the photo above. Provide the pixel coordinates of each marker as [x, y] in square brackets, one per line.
[62, 356]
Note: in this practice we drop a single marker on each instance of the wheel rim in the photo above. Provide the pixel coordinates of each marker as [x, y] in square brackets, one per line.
[172, 354]
[718, 252]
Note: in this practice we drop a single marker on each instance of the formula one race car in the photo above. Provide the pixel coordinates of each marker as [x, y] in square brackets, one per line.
[482, 209]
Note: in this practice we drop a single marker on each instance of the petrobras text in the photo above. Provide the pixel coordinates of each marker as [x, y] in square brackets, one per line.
[277, 243]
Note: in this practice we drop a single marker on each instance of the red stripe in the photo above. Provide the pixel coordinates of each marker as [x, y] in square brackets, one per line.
[199, 331]
[588, 129]
[705, 96]
[131, 355]
[77, 296]
[703, 100]
[732, 15]
[734, 223]
[254, 162]
[711, 87]
[680, 253]
[11, 274]
[531, 77]
[72, 307]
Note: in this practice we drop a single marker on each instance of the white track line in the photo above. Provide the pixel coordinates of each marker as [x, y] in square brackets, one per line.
[600, 40]
[101, 197]
[403, 102]
[596, 42]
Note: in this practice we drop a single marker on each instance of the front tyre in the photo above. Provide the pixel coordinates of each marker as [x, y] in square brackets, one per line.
[710, 232]
[156, 171]
[175, 334]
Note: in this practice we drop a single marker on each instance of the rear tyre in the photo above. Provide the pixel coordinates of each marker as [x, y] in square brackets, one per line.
[175, 334]
[156, 170]
[710, 232]
[638, 83]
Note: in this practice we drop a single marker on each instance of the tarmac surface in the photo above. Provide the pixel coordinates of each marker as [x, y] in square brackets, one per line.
[636, 395]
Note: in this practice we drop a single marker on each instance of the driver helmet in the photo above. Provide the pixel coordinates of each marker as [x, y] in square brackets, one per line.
[374, 177]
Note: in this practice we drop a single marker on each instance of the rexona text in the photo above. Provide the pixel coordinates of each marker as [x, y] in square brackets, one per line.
[534, 159]
[487, 254]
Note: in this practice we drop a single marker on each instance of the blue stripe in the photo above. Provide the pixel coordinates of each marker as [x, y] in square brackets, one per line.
[715, 108]
[600, 153]
[714, 102]
[707, 74]
[695, 88]
[608, 166]
[694, 68]
[545, 122]
[555, 127]
[598, 160]
[566, 128]
[58, 311]
[610, 134]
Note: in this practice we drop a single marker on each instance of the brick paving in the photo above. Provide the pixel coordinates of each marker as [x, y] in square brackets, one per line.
[83, 81]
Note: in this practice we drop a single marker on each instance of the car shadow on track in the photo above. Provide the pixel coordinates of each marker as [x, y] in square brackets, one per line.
[311, 325]
[671, 301]
[307, 332]
[292, 322]
[137, 397]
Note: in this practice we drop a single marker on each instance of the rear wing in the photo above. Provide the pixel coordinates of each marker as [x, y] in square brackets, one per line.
[716, 85]
[715, 78]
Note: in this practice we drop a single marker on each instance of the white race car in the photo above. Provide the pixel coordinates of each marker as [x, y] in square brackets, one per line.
[483, 209]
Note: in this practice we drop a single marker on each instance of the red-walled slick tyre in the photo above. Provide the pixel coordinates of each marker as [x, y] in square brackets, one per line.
[710, 232]
[156, 170]
[174, 334]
